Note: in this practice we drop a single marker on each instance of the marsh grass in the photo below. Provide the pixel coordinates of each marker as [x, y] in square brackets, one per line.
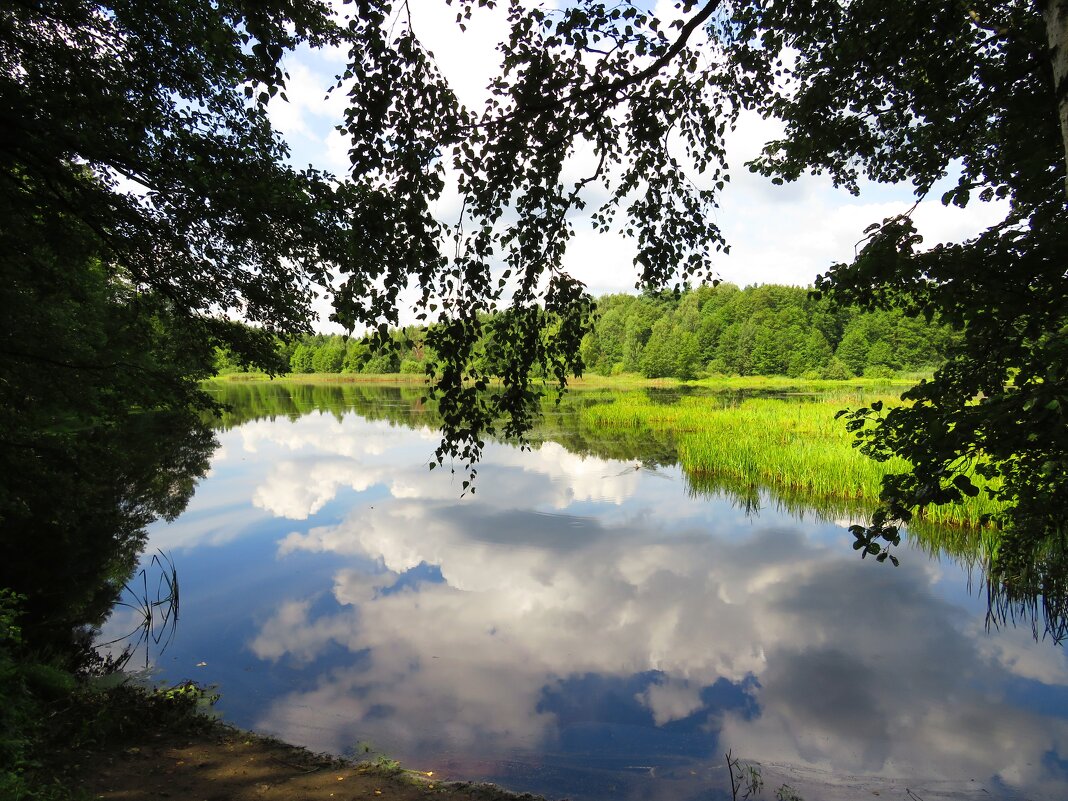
[792, 446]
[799, 385]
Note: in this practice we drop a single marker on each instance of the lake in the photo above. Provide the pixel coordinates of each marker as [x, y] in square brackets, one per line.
[587, 624]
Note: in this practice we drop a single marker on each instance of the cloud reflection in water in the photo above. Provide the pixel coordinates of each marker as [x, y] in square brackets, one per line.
[576, 606]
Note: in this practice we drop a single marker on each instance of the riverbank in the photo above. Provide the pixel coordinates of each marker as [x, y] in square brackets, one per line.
[626, 381]
[101, 740]
[623, 381]
[218, 762]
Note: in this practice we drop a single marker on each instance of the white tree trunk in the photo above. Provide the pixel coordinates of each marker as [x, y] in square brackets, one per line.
[1055, 14]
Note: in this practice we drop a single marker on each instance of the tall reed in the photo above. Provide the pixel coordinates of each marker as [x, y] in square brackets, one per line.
[783, 443]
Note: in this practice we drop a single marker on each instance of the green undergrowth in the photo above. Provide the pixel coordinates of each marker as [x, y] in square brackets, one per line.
[792, 446]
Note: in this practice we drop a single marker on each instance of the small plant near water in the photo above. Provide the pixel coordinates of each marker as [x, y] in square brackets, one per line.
[375, 762]
[155, 607]
[378, 764]
[386, 766]
[747, 782]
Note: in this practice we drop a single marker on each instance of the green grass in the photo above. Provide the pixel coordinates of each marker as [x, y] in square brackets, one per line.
[589, 381]
[800, 385]
[792, 446]
[325, 378]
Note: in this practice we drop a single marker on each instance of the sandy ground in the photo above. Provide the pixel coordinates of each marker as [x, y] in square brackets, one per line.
[228, 765]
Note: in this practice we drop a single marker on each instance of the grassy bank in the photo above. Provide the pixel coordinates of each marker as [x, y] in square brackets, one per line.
[620, 382]
[325, 378]
[623, 381]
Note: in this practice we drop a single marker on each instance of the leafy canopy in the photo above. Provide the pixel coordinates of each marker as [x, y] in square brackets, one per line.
[171, 96]
[889, 92]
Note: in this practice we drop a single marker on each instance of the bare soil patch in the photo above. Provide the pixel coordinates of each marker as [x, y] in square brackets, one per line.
[224, 764]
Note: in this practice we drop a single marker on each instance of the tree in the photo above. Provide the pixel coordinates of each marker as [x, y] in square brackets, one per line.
[886, 91]
[100, 97]
[171, 95]
[861, 100]
[145, 201]
[661, 353]
[855, 344]
[329, 357]
[100, 434]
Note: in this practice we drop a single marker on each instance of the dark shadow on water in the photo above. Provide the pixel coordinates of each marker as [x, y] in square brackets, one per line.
[78, 531]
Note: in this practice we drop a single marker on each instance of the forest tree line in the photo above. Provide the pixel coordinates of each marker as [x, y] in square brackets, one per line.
[721, 330]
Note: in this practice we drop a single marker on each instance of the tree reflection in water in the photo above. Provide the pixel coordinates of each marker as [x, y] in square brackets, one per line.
[76, 505]
[1026, 582]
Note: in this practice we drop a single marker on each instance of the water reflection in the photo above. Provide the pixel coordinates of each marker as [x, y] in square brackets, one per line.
[584, 628]
[74, 508]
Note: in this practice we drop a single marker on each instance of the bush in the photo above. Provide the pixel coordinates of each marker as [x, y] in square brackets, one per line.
[837, 370]
[878, 371]
[381, 363]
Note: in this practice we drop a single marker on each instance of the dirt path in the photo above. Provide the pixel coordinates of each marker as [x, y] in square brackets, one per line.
[224, 764]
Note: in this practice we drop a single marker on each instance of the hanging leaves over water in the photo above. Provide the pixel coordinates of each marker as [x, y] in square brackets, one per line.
[136, 143]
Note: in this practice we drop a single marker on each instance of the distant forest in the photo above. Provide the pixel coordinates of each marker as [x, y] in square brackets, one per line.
[723, 330]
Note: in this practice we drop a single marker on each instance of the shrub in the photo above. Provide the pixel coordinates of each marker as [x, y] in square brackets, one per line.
[837, 370]
[878, 371]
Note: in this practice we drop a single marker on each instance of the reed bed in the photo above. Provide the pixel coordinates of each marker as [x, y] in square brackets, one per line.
[785, 444]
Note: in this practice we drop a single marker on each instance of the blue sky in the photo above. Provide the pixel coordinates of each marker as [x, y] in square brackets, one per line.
[778, 234]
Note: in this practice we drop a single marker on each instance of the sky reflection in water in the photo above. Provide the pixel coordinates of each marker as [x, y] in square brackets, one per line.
[582, 627]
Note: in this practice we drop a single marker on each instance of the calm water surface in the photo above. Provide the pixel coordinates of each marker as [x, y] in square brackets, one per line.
[587, 627]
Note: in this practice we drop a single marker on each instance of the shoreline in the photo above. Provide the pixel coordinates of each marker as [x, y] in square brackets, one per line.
[206, 759]
[590, 381]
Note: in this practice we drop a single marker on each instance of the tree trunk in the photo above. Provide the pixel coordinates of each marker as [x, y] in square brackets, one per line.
[1055, 14]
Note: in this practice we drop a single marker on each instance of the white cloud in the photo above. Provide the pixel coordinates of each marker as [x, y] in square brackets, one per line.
[356, 453]
[1016, 651]
[296, 490]
[671, 700]
[529, 604]
[302, 640]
